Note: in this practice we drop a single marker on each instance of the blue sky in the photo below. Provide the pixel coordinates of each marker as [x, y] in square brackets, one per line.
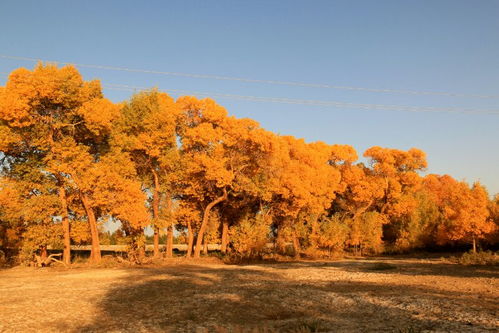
[449, 46]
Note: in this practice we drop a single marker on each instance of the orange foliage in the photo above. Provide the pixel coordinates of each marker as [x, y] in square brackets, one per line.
[72, 158]
[464, 209]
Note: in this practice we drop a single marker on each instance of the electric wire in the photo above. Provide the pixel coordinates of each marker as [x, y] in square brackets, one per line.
[249, 80]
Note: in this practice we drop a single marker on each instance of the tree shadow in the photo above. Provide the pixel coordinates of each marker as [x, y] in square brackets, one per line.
[399, 266]
[187, 298]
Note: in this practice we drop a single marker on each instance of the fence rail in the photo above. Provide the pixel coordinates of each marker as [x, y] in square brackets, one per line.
[123, 248]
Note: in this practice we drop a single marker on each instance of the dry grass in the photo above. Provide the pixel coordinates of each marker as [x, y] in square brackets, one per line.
[404, 295]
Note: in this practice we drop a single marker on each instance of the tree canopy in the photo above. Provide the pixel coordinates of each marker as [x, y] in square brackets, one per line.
[184, 168]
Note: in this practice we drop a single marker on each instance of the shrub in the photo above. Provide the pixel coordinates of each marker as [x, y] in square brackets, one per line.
[366, 232]
[488, 258]
[249, 238]
[332, 235]
[37, 236]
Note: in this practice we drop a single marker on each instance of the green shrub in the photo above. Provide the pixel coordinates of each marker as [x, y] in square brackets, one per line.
[488, 258]
[332, 235]
[249, 238]
[39, 235]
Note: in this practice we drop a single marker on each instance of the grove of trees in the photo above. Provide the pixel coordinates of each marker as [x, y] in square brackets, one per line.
[72, 160]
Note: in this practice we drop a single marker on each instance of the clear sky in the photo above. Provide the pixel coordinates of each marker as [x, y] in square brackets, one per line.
[449, 46]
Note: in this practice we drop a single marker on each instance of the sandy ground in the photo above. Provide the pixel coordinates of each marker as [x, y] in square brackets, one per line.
[340, 296]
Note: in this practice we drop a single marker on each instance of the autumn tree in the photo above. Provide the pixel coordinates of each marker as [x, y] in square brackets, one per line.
[41, 107]
[188, 216]
[71, 159]
[398, 171]
[302, 182]
[107, 187]
[147, 131]
[464, 212]
[493, 206]
[220, 156]
[64, 123]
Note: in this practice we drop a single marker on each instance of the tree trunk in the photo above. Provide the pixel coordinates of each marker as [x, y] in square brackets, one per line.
[474, 244]
[169, 229]
[296, 244]
[190, 240]
[43, 253]
[95, 255]
[313, 231]
[280, 245]
[205, 247]
[204, 223]
[155, 212]
[156, 242]
[385, 198]
[225, 237]
[142, 252]
[169, 241]
[66, 256]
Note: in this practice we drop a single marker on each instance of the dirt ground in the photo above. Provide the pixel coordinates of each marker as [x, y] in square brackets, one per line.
[412, 295]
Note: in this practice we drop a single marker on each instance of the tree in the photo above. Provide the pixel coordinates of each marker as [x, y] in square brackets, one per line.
[398, 171]
[332, 234]
[40, 108]
[463, 209]
[220, 156]
[147, 131]
[301, 181]
[493, 206]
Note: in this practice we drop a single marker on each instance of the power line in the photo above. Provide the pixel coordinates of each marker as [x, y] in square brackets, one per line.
[336, 104]
[272, 82]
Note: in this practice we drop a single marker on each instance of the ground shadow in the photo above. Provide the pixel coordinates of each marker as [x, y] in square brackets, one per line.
[398, 266]
[188, 298]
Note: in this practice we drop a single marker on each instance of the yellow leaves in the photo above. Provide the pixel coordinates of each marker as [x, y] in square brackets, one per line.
[57, 128]
[99, 115]
[90, 90]
[47, 83]
[362, 186]
[203, 134]
[464, 208]
[147, 127]
[403, 206]
[79, 232]
[416, 159]
[366, 231]
[196, 111]
[51, 95]
[113, 188]
[68, 157]
[14, 108]
[214, 168]
[301, 176]
[388, 161]
[9, 140]
[250, 236]
[343, 153]
[217, 151]
[399, 170]
[187, 212]
[10, 200]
